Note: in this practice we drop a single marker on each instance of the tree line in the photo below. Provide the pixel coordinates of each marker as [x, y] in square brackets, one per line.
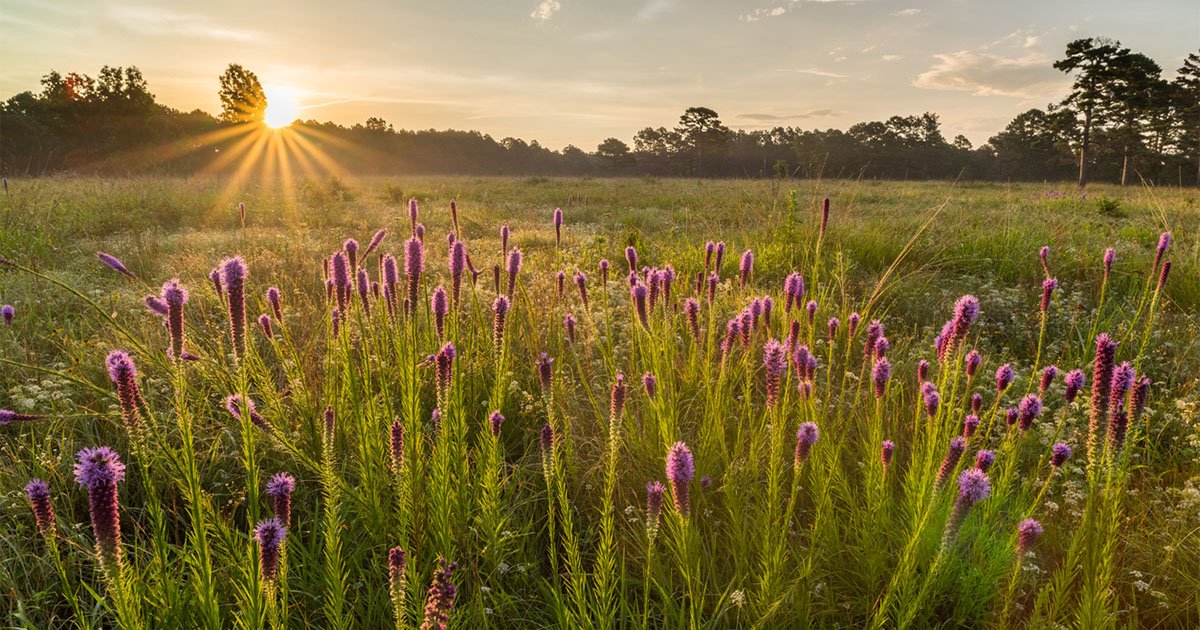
[1122, 121]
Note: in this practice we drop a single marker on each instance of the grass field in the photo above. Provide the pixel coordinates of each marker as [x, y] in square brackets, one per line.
[559, 533]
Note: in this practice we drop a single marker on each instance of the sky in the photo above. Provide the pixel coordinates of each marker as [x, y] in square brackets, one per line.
[578, 71]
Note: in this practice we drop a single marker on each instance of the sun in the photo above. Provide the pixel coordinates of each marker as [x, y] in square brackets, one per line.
[283, 107]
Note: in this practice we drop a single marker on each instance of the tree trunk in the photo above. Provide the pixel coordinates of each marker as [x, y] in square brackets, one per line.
[1083, 149]
[1125, 165]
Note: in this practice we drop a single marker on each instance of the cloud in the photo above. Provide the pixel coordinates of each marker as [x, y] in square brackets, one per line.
[812, 113]
[165, 22]
[788, 5]
[656, 8]
[814, 72]
[545, 10]
[890, 57]
[907, 12]
[984, 73]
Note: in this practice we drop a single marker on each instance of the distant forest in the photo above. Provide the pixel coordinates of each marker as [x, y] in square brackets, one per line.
[1122, 122]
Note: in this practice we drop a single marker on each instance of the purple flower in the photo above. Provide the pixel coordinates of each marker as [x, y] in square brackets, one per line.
[973, 486]
[976, 402]
[1141, 392]
[852, 323]
[1162, 278]
[774, 364]
[882, 345]
[8, 313]
[38, 493]
[581, 284]
[650, 385]
[922, 371]
[1103, 365]
[1048, 375]
[953, 454]
[504, 234]
[932, 399]
[269, 533]
[874, 334]
[631, 257]
[233, 404]
[811, 307]
[1004, 377]
[494, 421]
[1164, 241]
[1059, 454]
[1048, 287]
[887, 451]
[514, 267]
[655, 492]
[1118, 423]
[350, 246]
[713, 280]
[363, 282]
[970, 425]
[637, 294]
[413, 214]
[569, 322]
[806, 436]
[1110, 256]
[279, 490]
[444, 362]
[264, 322]
[414, 265]
[233, 275]
[984, 459]
[1010, 416]
[793, 291]
[174, 295]
[1028, 410]
[242, 212]
[376, 241]
[747, 267]
[545, 374]
[458, 261]
[335, 319]
[396, 580]
[1044, 254]
[972, 361]
[691, 310]
[833, 326]
[880, 373]
[558, 222]
[99, 470]
[499, 313]
[617, 402]
[680, 470]
[720, 257]
[439, 308]
[391, 277]
[1027, 535]
[115, 264]
[440, 600]
[1074, 381]
[155, 305]
[396, 441]
[123, 373]
[966, 311]
[604, 272]
[274, 301]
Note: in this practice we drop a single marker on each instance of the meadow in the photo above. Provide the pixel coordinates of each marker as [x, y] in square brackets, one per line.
[682, 403]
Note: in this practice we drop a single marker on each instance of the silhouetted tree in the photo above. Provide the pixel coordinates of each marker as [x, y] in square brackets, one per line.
[615, 154]
[242, 96]
[1092, 60]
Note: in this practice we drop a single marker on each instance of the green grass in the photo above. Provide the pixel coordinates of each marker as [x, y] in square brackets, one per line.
[560, 538]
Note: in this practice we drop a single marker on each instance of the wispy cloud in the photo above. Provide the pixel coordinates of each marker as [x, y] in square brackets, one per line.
[545, 10]
[814, 72]
[812, 113]
[907, 12]
[157, 21]
[985, 73]
[890, 57]
[787, 6]
[657, 8]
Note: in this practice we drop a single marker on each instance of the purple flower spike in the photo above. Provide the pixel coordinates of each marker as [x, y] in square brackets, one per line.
[852, 324]
[811, 308]
[545, 373]
[984, 459]
[114, 263]
[123, 373]
[99, 470]
[1011, 415]
[1164, 241]
[233, 275]
[774, 364]
[363, 283]
[174, 295]
[691, 310]
[38, 493]
[439, 307]
[1110, 256]
[680, 470]
[414, 265]
[1048, 287]
[156, 305]
[1106, 356]
[1044, 255]
[631, 257]
[833, 326]
[269, 535]
[264, 322]
[1074, 381]
[1059, 454]
[720, 257]
[973, 487]
[458, 261]
[581, 284]
[953, 454]
[1162, 278]
[655, 491]
[500, 314]
[505, 232]
[233, 404]
[922, 371]
[824, 218]
[440, 600]
[444, 361]
[413, 214]
[1141, 392]
[396, 440]
[569, 322]
[1028, 410]
[514, 267]
[976, 402]
[376, 241]
[972, 361]
[713, 281]
[279, 490]
[397, 581]
[887, 452]
[1027, 534]
[1004, 377]
[8, 313]
[746, 267]
[880, 373]
[1048, 375]
[806, 436]
[350, 246]
[558, 223]
[932, 400]
[970, 425]
[638, 295]
[604, 272]
[650, 385]
[495, 420]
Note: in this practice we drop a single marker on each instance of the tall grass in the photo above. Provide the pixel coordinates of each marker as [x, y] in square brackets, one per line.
[512, 467]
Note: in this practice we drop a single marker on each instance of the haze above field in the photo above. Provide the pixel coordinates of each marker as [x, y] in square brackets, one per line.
[572, 72]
